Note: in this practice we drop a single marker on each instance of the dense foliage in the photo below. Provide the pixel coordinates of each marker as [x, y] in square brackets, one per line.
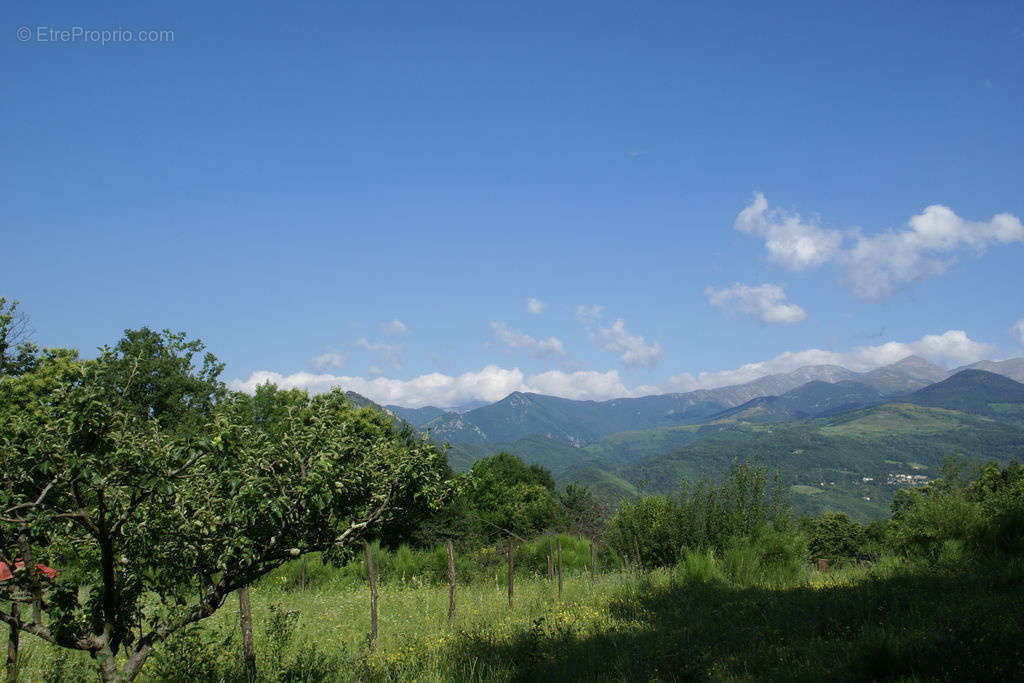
[981, 517]
[142, 479]
[657, 530]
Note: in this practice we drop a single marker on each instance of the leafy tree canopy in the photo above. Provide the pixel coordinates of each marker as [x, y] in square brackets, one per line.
[506, 495]
[137, 475]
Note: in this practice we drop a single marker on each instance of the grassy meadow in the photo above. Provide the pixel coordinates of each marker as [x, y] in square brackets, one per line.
[710, 617]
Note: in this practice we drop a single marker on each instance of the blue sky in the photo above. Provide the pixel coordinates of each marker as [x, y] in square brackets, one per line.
[736, 183]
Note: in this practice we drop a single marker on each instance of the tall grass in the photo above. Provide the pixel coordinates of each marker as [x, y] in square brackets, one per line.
[429, 566]
[718, 614]
[771, 559]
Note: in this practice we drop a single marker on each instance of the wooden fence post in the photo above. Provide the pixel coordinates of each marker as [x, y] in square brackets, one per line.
[302, 574]
[558, 542]
[372, 573]
[245, 620]
[451, 582]
[593, 558]
[511, 580]
[12, 645]
[551, 568]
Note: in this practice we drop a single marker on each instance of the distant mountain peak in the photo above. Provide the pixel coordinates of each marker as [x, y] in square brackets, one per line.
[915, 362]
[973, 391]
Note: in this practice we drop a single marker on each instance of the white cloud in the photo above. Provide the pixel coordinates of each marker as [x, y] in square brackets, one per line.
[633, 349]
[490, 384]
[950, 348]
[878, 265]
[535, 306]
[385, 353]
[395, 326]
[583, 385]
[518, 340]
[1018, 331]
[493, 383]
[328, 360]
[791, 241]
[766, 302]
[589, 314]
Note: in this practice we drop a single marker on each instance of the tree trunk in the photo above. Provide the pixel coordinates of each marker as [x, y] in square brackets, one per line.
[108, 665]
[12, 646]
[245, 620]
[511, 580]
[558, 543]
[451, 582]
[639, 560]
[34, 579]
[372, 573]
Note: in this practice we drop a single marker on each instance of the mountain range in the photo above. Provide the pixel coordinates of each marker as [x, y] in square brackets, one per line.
[842, 440]
[579, 423]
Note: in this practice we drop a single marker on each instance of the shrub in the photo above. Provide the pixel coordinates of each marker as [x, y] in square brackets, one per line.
[834, 535]
[746, 503]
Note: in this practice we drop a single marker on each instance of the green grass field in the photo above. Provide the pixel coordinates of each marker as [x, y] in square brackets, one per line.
[854, 623]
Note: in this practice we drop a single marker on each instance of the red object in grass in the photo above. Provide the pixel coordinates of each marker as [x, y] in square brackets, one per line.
[5, 570]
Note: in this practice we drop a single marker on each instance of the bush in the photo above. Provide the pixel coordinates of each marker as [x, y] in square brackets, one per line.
[982, 520]
[769, 559]
[835, 536]
[746, 503]
[197, 654]
[699, 567]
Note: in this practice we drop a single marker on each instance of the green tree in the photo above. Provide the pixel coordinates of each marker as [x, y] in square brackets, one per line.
[503, 494]
[137, 507]
[581, 513]
[17, 353]
[164, 376]
[650, 525]
[835, 535]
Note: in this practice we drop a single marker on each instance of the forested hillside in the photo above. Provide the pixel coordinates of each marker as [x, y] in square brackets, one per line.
[839, 445]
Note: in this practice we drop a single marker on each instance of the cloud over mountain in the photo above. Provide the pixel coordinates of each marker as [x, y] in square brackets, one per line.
[950, 348]
[492, 383]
